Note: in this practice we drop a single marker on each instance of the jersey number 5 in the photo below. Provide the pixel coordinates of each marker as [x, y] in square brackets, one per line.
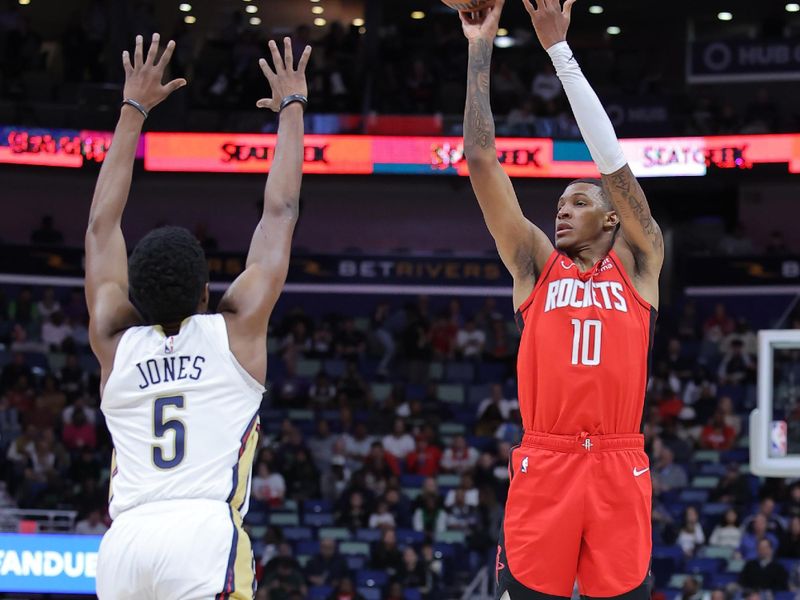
[587, 337]
[162, 427]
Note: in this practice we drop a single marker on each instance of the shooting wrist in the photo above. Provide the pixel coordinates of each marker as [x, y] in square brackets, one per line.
[136, 106]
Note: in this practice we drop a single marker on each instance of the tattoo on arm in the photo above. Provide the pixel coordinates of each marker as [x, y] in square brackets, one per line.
[633, 205]
[478, 119]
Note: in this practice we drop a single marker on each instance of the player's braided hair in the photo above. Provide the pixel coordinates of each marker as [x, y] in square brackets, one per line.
[167, 273]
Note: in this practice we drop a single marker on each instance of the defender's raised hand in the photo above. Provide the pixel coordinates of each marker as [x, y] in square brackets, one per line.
[285, 80]
[482, 24]
[143, 76]
[550, 21]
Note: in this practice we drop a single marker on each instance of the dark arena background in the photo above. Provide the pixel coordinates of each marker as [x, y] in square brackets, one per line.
[391, 404]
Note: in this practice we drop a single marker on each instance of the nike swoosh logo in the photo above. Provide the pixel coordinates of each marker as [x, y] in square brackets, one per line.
[572, 57]
[567, 266]
[637, 472]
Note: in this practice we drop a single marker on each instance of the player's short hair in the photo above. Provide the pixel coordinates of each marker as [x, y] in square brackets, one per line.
[167, 274]
[599, 184]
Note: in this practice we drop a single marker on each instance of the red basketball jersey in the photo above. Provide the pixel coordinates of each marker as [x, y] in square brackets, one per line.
[585, 350]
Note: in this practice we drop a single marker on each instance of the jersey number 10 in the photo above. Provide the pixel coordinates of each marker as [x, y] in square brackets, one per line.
[586, 340]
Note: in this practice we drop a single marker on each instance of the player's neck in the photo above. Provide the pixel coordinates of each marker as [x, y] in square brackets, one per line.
[588, 256]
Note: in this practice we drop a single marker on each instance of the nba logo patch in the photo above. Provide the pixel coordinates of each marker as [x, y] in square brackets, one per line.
[169, 345]
[524, 466]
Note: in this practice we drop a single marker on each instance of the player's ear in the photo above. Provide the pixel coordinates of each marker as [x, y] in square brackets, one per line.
[204, 299]
[611, 220]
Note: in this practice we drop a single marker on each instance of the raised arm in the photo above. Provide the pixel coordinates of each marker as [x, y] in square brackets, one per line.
[643, 249]
[110, 311]
[249, 301]
[522, 246]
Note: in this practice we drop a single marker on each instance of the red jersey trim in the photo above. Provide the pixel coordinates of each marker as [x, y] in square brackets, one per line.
[539, 281]
[624, 274]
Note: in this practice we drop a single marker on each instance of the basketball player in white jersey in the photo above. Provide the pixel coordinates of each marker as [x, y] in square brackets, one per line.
[181, 388]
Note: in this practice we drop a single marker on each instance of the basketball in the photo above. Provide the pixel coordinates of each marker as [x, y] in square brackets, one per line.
[469, 5]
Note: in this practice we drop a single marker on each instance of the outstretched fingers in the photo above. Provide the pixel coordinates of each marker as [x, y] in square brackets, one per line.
[529, 7]
[288, 54]
[126, 63]
[276, 58]
[138, 53]
[268, 73]
[301, 66]
[568, 8]
[152, 53]
[167, 56]
[175, 84]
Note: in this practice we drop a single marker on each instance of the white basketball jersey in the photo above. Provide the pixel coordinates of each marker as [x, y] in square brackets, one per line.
[183, 417]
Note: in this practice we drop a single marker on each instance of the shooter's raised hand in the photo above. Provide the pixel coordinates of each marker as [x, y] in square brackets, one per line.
[285, 80]
[482, 24]
[143, 76]
[550, 20]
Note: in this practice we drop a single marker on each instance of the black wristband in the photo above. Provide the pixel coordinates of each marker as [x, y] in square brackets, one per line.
[291, 99]
[137, 106]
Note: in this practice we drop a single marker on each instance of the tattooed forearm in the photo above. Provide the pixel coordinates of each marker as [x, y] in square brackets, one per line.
[478, 119]
[631, 205]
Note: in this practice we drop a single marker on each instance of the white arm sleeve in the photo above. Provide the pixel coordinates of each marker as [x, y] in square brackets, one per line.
[595, 126]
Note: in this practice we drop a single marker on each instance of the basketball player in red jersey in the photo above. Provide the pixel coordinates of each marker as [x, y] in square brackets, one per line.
[580, 494]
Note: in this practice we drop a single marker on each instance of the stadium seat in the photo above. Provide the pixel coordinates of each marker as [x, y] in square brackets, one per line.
[706, 456]
[448, 480]
[693, 496]
[408, 480]
[735, 565]
[309, 547]
[368, 535]
[368, 578]
[478, 393]
[721, 580]
[356, 562]
[412, 594]
[335, 533]
[319, 592]
[296, 534]
[676, 581]
[335, 368]
[308, 368]
[409, 537]
[704, 565]
[347, 548]
[318, 519]
[257, 532]
[381, 391]
[370, 593]
[722, 552]
[790, 564]
[301, 415]
[451, 429]
[451, 537]
[460, 372]
[317, 506]
[451, 393]
[784, 596]
[705, 481]
[436, 371]
[284, 519]
[714, 509]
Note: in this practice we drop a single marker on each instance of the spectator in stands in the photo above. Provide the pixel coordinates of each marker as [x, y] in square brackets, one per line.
[745, 334]
[717, 435]
[359, 444]
[718, 325]
[321, 445]
[737, 367]
[467, 486]
[497, 402]
[399, 506]
[283, 576]
[22, 398]
[322, 341]
[521, 121]
[776, 246]
[394, 592]
[691, 589]
[732, 487]
[302, 479]
[353, 387]
[379, 468]
[48, 305]
[350, 343]
[667, 475]
[23, 311]
[13, 370]
[460, 515]
[546, 86]
[730, 418]
[399, 443]
[50, 402]
[322, 392]
[677, 362]
[355, 515]
[336, 479]
[691, 535]
[345, 591]
[273, 540]
[470, 341]
[424, 460]
[727, 534]
[775, 523]
[749, 548]
[386, 554]
[91, 525]
[793, 504]
[700, 387]
[762, 572]
[328, 567]
[73, 379]
[790, 542]
[47, 234]
[459, 457]
[430, 517]
[412, 573]
[381, 323]
[78, 432]
[443, 337]
[382, 518]
[268, 487]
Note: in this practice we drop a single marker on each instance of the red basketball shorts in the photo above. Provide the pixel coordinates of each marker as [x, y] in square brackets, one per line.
[578, 508]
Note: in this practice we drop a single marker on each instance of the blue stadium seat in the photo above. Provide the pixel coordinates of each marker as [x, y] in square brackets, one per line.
[356, 562]
[692, 496]
[298, 534]
[310, 547]
[491, 373]
[319, 592]
[256, 517]
[412, 594]
[371, 579]
[784, 596]
[704, 566]
[317, 506]
[662, 569]
[409, 537]
[411, 480]
[318, 519]
[370, 593]
[714, 509]
[334, 367]
[459, 372]
[721, 580]
[368, 535]
[790, 564]
[673, 552]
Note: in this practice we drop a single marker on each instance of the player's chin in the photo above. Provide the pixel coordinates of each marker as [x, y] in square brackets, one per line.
[564, 242]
